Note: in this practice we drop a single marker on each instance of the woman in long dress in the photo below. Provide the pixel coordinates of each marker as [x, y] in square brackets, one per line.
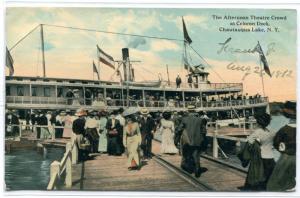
[132, 140]
[114, 128]
[102, 146]
[264, 136]
[68, 120]
[167, 138]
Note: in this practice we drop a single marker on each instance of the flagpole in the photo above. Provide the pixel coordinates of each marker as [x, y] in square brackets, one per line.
[98, 64]
[168, 75]
[261, 73]
[185, 54]
[262, 79]
[93, 71]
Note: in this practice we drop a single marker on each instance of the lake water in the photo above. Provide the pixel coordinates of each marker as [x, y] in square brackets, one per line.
[29, 170]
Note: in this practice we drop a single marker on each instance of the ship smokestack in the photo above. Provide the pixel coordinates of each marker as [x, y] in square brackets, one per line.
[126, 65]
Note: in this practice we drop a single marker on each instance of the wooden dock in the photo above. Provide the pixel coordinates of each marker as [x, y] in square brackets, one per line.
[109, 173]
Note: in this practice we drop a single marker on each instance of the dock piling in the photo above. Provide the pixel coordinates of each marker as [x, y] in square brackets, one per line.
[68, 180]
[215, 142]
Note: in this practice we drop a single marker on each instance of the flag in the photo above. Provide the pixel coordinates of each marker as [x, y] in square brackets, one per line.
[185, 33]
[186, 64]
[105, 58]
[95, 70]
[262, 58]
[9, 62]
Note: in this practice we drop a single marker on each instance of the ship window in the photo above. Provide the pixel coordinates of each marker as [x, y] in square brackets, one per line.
[20, 91]
[47, 91]
[59, 92]
[8, 91]
[33, 91]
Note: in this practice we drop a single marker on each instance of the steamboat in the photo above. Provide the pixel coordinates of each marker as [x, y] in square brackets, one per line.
[225, 101]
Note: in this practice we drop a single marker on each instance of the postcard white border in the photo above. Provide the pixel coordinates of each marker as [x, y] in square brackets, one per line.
[258, 4]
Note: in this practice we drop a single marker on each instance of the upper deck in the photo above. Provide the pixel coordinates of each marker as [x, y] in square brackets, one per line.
[194, 87]
[52, 93]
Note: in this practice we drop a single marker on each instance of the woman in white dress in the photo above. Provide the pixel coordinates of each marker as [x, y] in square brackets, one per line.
[102, 146]
[167, 137]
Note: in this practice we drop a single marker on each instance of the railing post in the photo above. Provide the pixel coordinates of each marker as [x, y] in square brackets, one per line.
[54, 169]
[74, 152]
[68, 180]
[251, 125]
[215, 142]
[53, 131]
[20, 130]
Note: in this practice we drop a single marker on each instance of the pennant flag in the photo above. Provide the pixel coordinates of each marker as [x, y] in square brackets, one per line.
[95, 70]
[186, 64]
[262, 58]
[9, 62]
[105, 58]
[185, 33]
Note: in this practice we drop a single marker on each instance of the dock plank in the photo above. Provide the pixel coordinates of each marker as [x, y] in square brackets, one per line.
[109, 173]
[218, 176]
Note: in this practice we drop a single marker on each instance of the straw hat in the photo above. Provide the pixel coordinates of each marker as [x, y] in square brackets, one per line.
[80, 112]
[130, 111]
[191, 107]
[62, 113]
[144, 111]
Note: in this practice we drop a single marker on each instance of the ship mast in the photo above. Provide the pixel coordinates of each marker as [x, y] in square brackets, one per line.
[43, 51]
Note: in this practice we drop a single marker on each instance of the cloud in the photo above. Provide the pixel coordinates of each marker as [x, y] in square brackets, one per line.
[135, 42]
[163, 45]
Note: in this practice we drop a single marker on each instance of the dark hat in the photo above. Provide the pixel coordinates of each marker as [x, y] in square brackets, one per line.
[121, 110]
[263, 119]
[167, 115]
[290, 109]
[114, 112]
[102, 112]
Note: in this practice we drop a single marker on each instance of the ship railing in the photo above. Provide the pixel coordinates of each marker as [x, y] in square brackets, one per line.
[206, 86]
[17, 130]
[243, 126]
[228, 103]
[132, 103]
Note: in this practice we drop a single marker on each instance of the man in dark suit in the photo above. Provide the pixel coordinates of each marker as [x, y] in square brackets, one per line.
[178, 81]
[78, 129]
[193, 141]
[147, 126]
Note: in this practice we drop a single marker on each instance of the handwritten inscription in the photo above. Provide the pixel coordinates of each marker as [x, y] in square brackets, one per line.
[226, 47]
[247, 70]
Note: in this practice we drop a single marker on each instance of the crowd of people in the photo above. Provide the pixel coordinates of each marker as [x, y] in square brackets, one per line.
[132, 130]
[97, 98]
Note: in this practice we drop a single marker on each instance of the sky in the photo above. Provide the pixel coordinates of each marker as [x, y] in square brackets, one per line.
[70, 53]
